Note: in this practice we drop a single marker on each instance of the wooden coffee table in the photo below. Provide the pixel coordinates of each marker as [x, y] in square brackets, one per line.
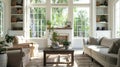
[58, 52]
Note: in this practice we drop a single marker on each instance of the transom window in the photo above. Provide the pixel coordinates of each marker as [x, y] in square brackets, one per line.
[59, 16]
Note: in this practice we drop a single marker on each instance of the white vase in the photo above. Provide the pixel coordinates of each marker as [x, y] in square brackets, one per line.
[3, 60]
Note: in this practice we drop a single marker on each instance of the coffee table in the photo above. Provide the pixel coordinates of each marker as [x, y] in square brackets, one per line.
[58, 52]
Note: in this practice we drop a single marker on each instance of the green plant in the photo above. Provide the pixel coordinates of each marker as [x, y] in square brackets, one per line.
[66, 43]
[54, 37]
[48, 22]
[8, 38]
[2, 45]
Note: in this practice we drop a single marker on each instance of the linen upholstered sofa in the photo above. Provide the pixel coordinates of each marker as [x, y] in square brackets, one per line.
[19, 55]
[105, 51]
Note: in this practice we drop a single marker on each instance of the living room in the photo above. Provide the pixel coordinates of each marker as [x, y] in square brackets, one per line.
[73, 20]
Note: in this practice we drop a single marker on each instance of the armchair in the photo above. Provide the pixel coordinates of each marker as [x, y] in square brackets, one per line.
[21, 42]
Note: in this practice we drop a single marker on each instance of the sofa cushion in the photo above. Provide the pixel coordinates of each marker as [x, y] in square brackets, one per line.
[113, 49]
[107, 42]
[93, 41]
[102, 52]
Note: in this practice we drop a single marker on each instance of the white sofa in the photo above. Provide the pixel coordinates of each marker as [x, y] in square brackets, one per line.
[99, 51]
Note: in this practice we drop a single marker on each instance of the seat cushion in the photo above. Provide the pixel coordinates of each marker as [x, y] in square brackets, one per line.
[102, 52]
[93, 41]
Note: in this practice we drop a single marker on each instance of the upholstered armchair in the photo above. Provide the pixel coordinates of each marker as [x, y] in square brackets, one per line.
[21, 42]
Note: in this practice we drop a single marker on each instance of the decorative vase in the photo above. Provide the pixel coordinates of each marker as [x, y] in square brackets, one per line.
[66, 47]
[3, 60]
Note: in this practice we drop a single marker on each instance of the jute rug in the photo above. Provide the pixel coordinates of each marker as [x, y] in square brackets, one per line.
[80, 60]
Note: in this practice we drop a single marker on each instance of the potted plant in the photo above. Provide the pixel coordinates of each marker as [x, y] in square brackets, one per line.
[9, 39]
[54, 40]
[66, 44]
[3, 55]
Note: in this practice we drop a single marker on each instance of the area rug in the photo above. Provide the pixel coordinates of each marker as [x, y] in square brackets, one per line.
[80, 60]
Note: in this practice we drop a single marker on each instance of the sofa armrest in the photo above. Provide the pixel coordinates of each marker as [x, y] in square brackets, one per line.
[118, 60]
[85, 41]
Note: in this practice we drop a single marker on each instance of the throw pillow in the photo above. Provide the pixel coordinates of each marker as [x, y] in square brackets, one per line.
[107, 42]
[93, 41]
[115, 47]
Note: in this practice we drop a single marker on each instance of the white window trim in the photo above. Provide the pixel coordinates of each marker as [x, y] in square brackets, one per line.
[49, 6]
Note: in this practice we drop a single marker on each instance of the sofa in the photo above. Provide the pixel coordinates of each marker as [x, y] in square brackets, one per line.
[104, 50]
[20, 53]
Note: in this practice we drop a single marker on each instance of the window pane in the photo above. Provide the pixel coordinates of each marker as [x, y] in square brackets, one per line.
[117, 19]
[81, 22]
[81, 1]
[38, 1]
[59, 1]
[38, 22]
[1, 18]
[59, 16]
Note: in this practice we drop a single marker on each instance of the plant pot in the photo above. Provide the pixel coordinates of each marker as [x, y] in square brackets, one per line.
[66, 47]
[3, 60]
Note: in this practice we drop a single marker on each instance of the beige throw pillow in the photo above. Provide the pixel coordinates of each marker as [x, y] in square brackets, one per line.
[93, 41]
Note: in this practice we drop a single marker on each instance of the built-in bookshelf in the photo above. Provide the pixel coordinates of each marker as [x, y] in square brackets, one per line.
[102, 15]
[17, 15]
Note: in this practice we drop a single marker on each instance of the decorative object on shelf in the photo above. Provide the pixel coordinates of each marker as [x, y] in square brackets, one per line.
[98, 19]
[105, 3]
[97, 3]
[19, 10]
[68, 24]
[13, 19]
[20, 2]
[103, 18]
[103, 28]
[98, 28]
[66, 44]
[13, 3]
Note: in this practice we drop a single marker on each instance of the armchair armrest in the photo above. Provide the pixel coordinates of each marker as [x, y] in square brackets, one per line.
[9, 49]
[118, 60]
[13, 55]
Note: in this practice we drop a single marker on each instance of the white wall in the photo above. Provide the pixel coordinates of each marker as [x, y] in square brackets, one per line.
[6, 15]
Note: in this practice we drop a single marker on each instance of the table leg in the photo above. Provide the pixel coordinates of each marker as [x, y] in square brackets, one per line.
[72, 58]
[44, 61]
